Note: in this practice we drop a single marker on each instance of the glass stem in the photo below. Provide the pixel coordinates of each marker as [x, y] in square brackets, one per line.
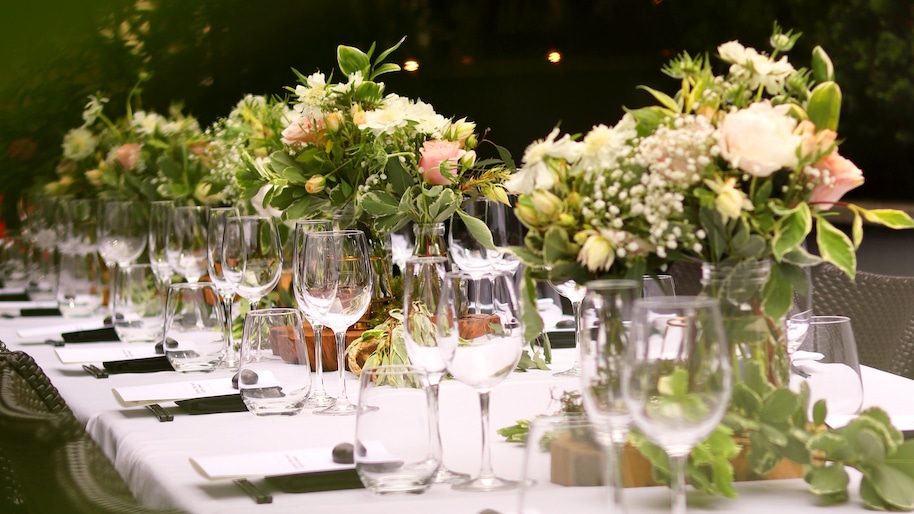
[230, 357]
[343, 398]
[578, 332]
[485, 470]
[318, 331]
[614, 477]
[677, 483]
[436, 434]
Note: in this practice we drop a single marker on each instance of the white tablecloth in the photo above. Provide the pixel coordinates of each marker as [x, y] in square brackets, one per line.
[153, 457]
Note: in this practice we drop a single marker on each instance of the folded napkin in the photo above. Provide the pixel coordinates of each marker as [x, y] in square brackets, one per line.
[91, 336]
[40, 311]
[319, 481]
[14, 297]
[213, 404]
[144, 365]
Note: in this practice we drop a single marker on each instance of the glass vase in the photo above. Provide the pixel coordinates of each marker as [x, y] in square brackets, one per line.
[429, 240]
[756, 339]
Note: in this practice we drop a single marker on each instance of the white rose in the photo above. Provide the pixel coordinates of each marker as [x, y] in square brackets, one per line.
[759, 139]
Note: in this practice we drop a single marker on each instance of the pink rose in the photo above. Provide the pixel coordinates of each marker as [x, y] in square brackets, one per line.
[842, 176]
[127, 155]
[304, 130]
[434, 153]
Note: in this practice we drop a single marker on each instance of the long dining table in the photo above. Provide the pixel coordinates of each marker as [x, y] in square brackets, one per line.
[154, 457]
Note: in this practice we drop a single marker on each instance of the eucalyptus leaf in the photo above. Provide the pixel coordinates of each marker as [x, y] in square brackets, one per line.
[380, 203]
[822, 68]
[835, 247]
[556, 246]
[828, 479]
[890, 218]
[351, 60]
[791, 230]
[892, 485]
[479, 229]
[778, 406]
[664, 99]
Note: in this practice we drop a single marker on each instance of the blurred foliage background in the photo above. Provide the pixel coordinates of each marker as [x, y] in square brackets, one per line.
[484, 59]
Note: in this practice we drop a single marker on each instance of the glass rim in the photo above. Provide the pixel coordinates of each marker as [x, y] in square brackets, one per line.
[611, 284]
[674, 302]
[389, 369]
[192, 285]
[271, 311]
[312, 222]
[426, 258]
[475, 274]
[342, 232]
[248, 217]
[828, 319]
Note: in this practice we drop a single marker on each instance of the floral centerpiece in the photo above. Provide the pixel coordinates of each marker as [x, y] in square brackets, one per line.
[734, 170]
[385, 158]
[142, 155]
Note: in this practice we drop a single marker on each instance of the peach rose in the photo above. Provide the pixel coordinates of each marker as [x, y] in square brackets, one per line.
[434, 153]
[842, 176]
[127, 155]
[304, 130]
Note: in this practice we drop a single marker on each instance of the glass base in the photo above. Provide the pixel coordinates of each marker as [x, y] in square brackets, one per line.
[575, 371]
[446, 476]
[340, 407]
[319, 399]
[484, 484]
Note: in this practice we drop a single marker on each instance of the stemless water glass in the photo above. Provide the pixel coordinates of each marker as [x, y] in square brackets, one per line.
[194, 335]
[274, 375]
[185, 242]
[480, 335]
[158, 226]
[336, 283]
[677, 380]
[422, 278]
[827, 361]
[215, 229]
[319, 396]
[574, 292]
[658, 285]
[139, 304]
[79, 285]
[252, 256]
[394, 431]
[800, 313]
[605, 317]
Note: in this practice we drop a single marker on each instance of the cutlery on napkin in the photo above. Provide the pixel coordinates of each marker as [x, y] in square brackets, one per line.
[91, 336]
[14, 297]
[213, 404]
[143, 365]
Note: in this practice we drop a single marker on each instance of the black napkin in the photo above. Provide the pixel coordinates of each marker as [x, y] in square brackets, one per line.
[145, 365]
[561, 338]
[213, 404]
[321, 481]
[40, 311]
[14, 297]
[91, 336]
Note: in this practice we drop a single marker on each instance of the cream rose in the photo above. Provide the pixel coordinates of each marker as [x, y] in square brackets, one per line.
[437, 154]
[840, 175]
[760, 139]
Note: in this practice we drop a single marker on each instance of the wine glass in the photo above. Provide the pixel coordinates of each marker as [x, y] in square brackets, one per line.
[800, 313]
[185, 242]
[605, 319]
[122, 233]
[422, 278]
[336, 282]
[252, 256]
[658, 285]
[80, 226]
[574, 292]
[467, 252]
[158, 226]
[480, 335]
[677, 380]
[319, 396]
[215, 228]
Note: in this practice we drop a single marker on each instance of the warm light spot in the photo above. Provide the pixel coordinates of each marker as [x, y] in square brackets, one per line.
[554, 57]
[466, 59]
[411, 65]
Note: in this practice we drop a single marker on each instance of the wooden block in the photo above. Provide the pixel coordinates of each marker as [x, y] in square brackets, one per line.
[576, 461]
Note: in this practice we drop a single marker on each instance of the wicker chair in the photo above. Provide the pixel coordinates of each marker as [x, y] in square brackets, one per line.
[881, 309]
[60, 468]
[686, 277]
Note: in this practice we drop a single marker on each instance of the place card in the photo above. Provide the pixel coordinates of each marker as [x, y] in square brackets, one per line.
[311, 460]
[132, 396]
[15, 307]
[101, 352]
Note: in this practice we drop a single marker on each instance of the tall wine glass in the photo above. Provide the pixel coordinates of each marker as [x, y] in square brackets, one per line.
[319, 396]
[422, 284]
[252, 256]
[678, 378]
[337, 283]
[122, 234]
[185, 242]
[158, 226]
[468, 253]
[480, 335]
[605, 317]
[215, 228]
[800, 313]
[574, 292]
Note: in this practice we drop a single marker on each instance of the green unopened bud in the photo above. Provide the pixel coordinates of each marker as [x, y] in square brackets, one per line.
[470, 142]
[573, 201]
[567, 220]
[546, 203]
[526, 212]
[822, 68]
[315, 184]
